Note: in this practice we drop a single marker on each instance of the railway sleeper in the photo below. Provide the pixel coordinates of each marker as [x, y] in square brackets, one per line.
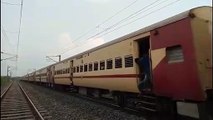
[18, 117]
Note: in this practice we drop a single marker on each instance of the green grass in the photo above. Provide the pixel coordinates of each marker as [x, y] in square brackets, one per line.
[4, 80]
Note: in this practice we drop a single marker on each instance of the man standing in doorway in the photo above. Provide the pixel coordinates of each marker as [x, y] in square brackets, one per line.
[145, 80]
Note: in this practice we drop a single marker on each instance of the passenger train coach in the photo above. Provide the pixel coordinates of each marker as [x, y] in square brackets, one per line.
[180, 63]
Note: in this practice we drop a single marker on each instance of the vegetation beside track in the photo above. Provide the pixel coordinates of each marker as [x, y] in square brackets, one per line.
[5, 80]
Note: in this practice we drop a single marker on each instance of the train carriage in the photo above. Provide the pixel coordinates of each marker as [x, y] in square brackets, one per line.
[43, 74]
[62, 72]
[180, 63]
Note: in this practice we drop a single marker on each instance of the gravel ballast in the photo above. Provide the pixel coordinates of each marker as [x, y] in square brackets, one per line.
[66, 107]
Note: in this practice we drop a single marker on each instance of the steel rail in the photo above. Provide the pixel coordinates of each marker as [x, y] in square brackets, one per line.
[6, 90]
[35, 110]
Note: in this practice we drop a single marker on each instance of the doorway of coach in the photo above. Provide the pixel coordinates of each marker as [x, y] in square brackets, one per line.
[144, 63]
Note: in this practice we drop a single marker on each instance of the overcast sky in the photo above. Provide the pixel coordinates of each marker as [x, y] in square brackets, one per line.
[52, 27]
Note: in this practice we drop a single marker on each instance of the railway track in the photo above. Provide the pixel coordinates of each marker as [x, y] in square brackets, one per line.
[149, 114]
[15, 104]
[109, 103]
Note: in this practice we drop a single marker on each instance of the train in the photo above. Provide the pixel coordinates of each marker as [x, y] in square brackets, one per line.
[179, 64]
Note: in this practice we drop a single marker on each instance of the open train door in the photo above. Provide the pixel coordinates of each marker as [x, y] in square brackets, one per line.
[71, 72]
[52, 72]
[144, 63]
[72, 87]
[50, 76]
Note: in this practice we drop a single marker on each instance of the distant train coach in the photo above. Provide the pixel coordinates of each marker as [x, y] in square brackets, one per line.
[170, 61]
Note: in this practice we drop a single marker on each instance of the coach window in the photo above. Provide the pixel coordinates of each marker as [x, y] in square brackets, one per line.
[174, 54]
[85, 68]
[118, 62]
[128, 61]
[81, 68]
[102, 65]
[95, 66]
[78, 69]
[90, 67]
[109, 64]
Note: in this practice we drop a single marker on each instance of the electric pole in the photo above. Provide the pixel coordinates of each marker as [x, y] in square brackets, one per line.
[49, 58]
[8, 67]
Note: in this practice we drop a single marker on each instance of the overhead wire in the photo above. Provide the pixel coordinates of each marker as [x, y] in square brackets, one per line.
[117, 23]
[128, 22]
[11, 32]
[7, 3]
[105, 21]
[114, 16]
[19, 32]
[139, 18]
[7, 53]
[4, 32]
[8, 58]
[5, 36]
[129, 17]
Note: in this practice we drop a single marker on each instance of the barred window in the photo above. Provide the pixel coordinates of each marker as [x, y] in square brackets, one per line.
[81, 68]
[85, 68]
[90, 67]
[175, 54]
[95, 66]
[118, 62]
[77, 68]
[128, 61]
[102, 65]
[109, 64]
